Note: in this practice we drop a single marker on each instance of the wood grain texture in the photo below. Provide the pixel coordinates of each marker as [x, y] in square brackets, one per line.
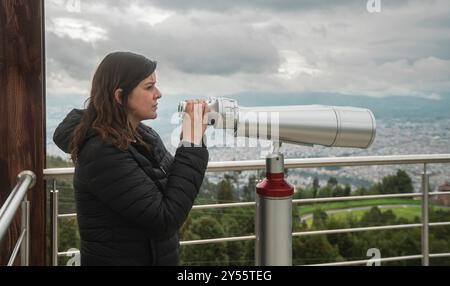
[22, 115]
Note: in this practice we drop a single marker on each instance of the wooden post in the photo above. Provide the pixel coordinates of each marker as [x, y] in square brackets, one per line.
[22, 115]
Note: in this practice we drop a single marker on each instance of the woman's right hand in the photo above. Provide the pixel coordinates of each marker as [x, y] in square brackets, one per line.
[195, 121]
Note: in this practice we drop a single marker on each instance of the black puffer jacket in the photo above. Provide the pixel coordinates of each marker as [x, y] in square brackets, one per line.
[123, 217]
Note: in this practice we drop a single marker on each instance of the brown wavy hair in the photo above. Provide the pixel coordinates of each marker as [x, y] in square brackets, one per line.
[118, 70]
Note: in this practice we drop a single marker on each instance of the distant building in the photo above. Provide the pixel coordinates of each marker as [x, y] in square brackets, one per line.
[443, 200]
[445, 187]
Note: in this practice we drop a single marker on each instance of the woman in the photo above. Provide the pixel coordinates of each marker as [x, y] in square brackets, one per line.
[132, 196]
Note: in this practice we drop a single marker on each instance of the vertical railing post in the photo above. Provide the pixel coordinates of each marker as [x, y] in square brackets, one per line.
[425, 218]
[25, 226]
[54, 222]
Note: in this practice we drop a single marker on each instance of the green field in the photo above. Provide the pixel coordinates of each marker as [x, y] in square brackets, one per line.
[411, 210]
[308, 209]
[408, 213]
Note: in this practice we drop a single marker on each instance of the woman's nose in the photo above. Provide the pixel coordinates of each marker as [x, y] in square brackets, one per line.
[158, 94]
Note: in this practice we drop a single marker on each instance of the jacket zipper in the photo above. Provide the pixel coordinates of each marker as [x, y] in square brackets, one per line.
[162, 169]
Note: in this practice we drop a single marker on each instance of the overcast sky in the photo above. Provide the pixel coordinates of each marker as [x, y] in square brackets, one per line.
[207, 47]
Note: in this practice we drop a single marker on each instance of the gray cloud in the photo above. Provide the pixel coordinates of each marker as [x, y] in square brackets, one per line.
[184, 42]
[76, 58]
[271, 5]
[206, 47]
[208, 52]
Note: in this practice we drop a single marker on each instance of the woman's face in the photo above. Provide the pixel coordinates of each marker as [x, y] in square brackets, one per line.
[142, 102]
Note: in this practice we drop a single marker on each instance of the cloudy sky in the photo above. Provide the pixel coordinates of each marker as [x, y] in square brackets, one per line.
[212, 47]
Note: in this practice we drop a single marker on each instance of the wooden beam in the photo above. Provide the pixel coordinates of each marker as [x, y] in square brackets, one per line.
[22, 115]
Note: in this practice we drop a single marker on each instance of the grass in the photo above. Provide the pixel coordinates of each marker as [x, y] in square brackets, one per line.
[408, 213]
[411, 210]
[308, 209]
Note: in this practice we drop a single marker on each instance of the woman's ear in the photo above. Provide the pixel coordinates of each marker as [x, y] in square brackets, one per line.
[118, 95]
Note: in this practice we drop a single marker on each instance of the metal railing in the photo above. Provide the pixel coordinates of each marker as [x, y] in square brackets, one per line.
[53, 174]
[18, 198]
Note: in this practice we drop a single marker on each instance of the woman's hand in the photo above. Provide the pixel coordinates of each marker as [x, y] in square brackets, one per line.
[195, 121]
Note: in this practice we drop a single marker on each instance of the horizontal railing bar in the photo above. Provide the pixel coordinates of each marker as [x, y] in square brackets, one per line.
[65, 253]
[16, 248]
[438, 193]
[387, 259]
[217, 240]
[364, 261]
[356, 229]
[326, 231]
[439, 223]
[54, 173]
[298, 201]
[67, 215]
[332, 162]
[438, 255]
[252, 237]
[221, 206]
[369, 228]
[343, 263]
[319, 200]
[367, 160]
[249, 165]
[334, 199]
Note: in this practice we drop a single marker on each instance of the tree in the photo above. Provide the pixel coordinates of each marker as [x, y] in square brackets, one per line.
[316, 186]
[317, 249]
[206, 195]
[332, 181]
[248, 191]
[338, 191]
[404, 182]
[69, 238]
[232, 227]
[347, 190]
[303, 193]
[225, 191]
[325, 192]
[57, 162]
[319, 218]
[361, 191]
[399, 183]
[207, 254]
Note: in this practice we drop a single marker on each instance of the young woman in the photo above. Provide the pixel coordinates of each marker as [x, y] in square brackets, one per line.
[132, 196]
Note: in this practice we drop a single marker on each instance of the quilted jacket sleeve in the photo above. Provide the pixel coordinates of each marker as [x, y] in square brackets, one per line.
[118, 181]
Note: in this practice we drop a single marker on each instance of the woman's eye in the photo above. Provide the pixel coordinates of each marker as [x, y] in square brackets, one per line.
[150, 87]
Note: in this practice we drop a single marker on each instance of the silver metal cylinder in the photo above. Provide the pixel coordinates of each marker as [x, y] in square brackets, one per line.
[332, 126]
[273, 231]
[275, 163]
